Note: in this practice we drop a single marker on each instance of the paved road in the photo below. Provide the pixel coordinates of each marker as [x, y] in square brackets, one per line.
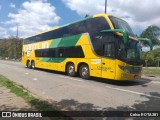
[78, 94]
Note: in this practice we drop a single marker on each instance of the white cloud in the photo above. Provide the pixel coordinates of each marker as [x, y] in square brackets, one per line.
[138, 13]
[83, 7]
[12, 5]
[3, 33]
[33, 17]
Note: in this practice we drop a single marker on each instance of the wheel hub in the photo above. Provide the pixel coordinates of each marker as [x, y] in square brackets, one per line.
[71, 69]
[84, 71]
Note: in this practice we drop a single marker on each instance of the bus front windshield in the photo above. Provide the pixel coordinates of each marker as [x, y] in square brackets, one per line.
[121, 24]
[131, 52]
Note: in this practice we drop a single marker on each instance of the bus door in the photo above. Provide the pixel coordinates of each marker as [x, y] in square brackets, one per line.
[108, 62]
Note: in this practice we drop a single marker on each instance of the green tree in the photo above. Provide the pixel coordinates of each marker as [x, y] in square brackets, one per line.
[157, 56]
[152, 58]
[149, 58]
[11, 47]
[152, 33]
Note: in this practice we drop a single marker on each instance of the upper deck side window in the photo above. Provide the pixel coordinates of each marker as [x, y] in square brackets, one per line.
[92, 26]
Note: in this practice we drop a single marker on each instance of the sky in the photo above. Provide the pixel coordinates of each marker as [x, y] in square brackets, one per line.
[33, 16]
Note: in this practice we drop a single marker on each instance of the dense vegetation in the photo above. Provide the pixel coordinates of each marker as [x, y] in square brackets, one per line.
[10, 48]
[152, 58]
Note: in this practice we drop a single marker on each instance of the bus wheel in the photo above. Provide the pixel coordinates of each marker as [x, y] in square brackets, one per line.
[28, 64]
[33, 64]
[71, 70]
[84, 72]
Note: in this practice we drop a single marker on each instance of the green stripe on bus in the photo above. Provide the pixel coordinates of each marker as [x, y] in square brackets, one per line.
[69, 41]
[61, 42]
[55, 43]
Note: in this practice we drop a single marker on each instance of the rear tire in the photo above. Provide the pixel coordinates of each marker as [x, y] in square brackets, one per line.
[28, 64]
[32, 65]
[84, 72]
[71, 70]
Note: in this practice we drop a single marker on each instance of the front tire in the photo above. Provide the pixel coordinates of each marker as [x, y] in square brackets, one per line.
[84, 72]
[71, 70]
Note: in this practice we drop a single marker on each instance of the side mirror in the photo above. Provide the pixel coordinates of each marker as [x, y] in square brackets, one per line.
[148, 41]
[125, 34]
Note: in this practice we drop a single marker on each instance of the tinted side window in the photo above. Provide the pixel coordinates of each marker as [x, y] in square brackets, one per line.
[94, 27]
[74, 52]
[38, 53]
[52, 52]
[64, 32]
[58, 33]
[60, 52]
[71, 52]
[77, 28]
[65, 52]
[45, 53]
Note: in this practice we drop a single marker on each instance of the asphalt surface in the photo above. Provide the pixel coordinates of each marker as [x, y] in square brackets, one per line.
[78, 94]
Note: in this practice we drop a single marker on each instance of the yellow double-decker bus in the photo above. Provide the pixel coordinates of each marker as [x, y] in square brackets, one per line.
[101, 46]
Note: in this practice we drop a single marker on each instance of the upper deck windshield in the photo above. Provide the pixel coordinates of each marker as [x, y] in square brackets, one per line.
[121, 24]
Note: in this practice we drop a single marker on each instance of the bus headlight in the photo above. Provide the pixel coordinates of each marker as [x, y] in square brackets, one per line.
[125, 68]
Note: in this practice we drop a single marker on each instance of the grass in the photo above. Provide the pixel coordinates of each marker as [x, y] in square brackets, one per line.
[151, 71]
[36, 103]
